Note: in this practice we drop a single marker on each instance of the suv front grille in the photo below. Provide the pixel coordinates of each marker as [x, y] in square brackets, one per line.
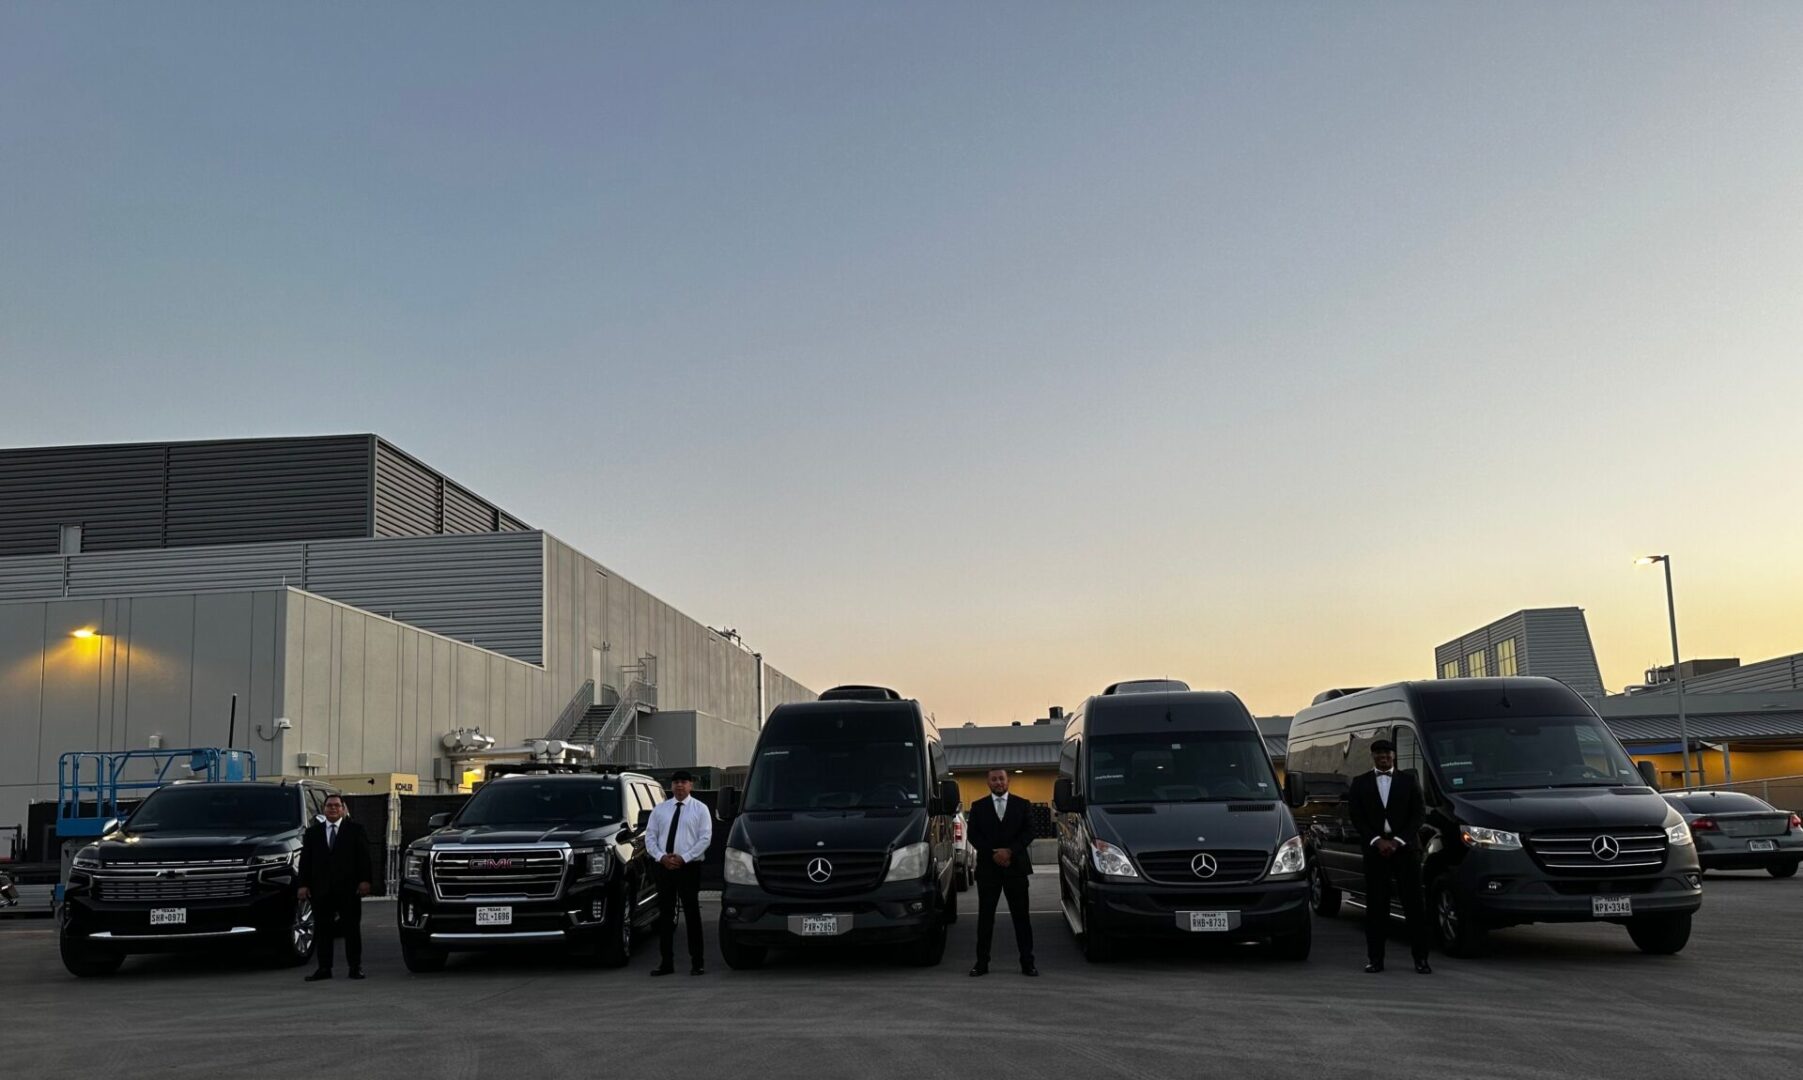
[844, 872]
[1180, 867]
[1599, 851]
[156, 882]
[510, 874]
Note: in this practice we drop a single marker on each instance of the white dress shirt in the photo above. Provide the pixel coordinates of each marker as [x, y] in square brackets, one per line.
[1383, 796]
[694, 830]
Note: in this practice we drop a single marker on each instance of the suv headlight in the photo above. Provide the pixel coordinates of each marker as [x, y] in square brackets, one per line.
[87, 858]
[741, 868]
[907, 863]
[1478, 836]
[1678, 835]
[415, 867]
[1111, 861]
[594, 861]
[1290, 860]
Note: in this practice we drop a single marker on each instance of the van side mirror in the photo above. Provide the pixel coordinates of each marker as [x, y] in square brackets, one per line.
[1648, 772]
[1295, 789]
[728, 801]
[438, 821]
[951, 798]
[1064, 799]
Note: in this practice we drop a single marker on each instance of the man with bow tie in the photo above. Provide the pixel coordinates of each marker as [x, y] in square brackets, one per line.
[1387, 813]
[335, 875]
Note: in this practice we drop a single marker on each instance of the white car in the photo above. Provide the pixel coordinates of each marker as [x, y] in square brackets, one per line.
[966, 869]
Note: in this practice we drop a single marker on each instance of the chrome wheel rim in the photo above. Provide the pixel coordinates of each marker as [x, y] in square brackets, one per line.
[1314, 886]
[303, 927]
[1449, 916]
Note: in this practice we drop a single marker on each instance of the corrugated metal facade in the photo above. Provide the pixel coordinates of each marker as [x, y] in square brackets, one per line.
[1554, 642]
[412, 499]
[486, 589]
[1776, 674]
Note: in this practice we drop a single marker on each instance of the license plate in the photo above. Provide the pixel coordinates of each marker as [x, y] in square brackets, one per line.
[816, 925]
[169, 916]
[1608, 907]
[494, 916]
[1762, 845]
[1205, 922]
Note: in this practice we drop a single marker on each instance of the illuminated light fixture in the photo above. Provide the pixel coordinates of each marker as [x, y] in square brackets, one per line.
[84, 632]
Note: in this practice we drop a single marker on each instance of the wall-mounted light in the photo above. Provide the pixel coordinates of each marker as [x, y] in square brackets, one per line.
[83, 633]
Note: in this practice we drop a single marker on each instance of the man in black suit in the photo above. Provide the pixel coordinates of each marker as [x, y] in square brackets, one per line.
[335, 875]
[1000, 828]
[1387, 812]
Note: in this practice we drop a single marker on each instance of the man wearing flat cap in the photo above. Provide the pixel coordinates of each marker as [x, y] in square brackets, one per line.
[677, 836]
[1387, 813]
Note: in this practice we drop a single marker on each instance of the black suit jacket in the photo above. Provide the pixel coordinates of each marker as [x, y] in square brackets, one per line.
[1014, 832]
[336, 871]
[1406, 812]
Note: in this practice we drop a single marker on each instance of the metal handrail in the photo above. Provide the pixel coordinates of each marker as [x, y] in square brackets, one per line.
[579, 705]
[636, 694]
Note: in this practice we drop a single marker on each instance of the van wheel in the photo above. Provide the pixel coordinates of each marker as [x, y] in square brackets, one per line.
[738, 956]
[1460, 932]
[931, 948]
[1294, 946]
[421, 958]
[1788, 869]
[1660, 935]
[960, 879]
[1322, 897]
[291, 944]
[1098, 947]
[84, 961]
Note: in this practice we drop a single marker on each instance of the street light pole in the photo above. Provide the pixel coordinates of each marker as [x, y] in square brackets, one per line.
[1671, 612]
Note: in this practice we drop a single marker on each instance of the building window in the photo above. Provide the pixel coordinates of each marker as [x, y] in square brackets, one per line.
[71, 540]
[1449, 670]
[1505, 657]
[1475, 666]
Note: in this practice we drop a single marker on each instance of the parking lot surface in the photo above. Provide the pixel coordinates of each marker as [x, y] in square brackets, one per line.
[1572, 1001]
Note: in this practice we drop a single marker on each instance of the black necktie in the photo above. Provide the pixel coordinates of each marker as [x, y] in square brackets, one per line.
[331, 837]
[670, 842]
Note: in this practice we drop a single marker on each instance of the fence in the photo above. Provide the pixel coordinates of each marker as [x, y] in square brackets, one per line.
[1783, 792]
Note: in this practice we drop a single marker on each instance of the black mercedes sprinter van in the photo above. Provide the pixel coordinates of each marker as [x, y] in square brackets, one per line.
[1170, 823]
[844, 835]
[1535, 813]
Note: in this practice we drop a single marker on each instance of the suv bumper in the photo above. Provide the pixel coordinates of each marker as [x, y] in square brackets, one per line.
[452, 926]
[891, 913]
[1259, 910]
[125, 927]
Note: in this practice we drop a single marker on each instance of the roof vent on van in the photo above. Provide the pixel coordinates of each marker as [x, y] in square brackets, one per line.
[1339, 692]
[859, 692]
[1147, 686]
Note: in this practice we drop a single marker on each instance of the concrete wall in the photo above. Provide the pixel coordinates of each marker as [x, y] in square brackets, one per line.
[696, 738]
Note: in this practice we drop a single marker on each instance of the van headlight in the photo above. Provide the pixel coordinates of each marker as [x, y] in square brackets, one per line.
[1478, 836]
[87, 858]
[415, 868]
[907, 863]
[1678, 835]
[1111, 861]
[1290, 860]
[741, 868]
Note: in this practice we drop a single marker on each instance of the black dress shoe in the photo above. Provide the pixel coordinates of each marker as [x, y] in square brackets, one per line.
[665, 969]
[980, 969]
[317, 976]
[1422, 967]
[1374, 967]
[697, 970]
[356, 973]
[1029, 970]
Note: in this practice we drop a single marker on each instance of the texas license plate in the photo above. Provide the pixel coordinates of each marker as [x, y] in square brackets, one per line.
[494, 916]
[1609, 907]
[169, 916]
[1762, 845]
[815, 925]
[1205, 922]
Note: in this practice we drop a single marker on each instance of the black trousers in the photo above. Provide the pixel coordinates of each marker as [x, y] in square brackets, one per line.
[1386, 877]
[337, 917]
[672, 886]
[991, 887]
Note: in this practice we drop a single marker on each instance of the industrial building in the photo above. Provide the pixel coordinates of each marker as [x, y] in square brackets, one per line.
[366, 613]
[1554, 642]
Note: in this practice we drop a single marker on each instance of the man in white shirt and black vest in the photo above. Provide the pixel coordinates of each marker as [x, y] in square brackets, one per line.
[1387, 813]
[678, 835]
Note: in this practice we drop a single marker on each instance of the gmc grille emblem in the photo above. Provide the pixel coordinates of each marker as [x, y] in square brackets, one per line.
[492, 864]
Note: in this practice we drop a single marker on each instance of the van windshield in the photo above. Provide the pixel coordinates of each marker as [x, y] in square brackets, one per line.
[1552, 751]
[835, 761]
[1181, 766]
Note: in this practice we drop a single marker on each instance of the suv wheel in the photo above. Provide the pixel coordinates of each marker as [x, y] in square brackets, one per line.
[613, 942]
[83, 960]
[420, 957]
[291, 943]
[1322, 897]
[1788, 869]
[1660, 935]
[737, 956]
[1460, 932]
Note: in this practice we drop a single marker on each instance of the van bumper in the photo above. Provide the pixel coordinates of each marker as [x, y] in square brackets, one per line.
[1508, 888]
[1259, 910]
[892, 913]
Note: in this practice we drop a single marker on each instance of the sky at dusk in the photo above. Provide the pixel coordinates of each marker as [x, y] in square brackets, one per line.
[993, 352]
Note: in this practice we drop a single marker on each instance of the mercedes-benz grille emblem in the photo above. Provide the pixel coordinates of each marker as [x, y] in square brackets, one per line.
[1605, 848]
[820, 871]
[1204, 865]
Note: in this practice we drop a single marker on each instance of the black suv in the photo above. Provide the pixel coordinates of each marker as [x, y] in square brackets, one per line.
[534, 858]
[196, 864]
[845, 836]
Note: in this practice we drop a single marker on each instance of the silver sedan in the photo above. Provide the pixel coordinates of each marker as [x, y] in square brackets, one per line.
[1735, 831]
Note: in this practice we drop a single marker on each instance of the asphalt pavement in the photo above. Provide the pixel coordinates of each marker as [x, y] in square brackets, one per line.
[1571, 1001]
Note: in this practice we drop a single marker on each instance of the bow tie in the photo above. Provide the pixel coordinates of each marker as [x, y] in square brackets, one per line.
[1390, 773]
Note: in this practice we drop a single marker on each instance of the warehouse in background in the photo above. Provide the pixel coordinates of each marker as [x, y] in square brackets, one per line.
[369, 614]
